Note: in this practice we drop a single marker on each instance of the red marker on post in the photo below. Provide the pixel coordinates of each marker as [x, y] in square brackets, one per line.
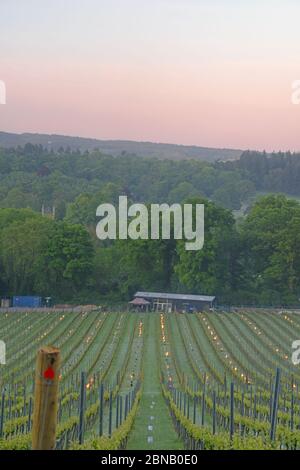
[49, 374]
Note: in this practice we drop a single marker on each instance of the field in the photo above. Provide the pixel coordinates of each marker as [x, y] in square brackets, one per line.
[157, 381]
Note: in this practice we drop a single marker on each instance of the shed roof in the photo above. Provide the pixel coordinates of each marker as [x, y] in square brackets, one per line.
[165, 295]
[139, 301]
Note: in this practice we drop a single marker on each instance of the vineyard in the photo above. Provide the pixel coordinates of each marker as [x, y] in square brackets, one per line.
[156, 381]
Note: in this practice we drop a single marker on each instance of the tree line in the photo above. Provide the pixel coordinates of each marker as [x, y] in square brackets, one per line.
[33, 176]
[253, 261]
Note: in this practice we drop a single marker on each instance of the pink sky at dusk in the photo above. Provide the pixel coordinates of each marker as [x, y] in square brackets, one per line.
[222, 82]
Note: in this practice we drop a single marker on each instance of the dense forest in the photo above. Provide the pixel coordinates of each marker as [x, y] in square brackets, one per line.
[277, 172]
[252, 260]
[32, 176]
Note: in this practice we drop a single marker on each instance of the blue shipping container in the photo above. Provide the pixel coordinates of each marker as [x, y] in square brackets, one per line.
[30, 301]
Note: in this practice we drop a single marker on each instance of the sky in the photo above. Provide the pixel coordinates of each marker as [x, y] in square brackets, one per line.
[214, 73]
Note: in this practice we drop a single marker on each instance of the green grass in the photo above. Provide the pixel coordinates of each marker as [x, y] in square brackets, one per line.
[163, 433]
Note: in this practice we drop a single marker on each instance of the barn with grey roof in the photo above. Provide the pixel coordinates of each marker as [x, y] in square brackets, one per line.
[169, 302]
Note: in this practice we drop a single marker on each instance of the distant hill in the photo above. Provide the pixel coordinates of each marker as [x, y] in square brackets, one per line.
[121, 147]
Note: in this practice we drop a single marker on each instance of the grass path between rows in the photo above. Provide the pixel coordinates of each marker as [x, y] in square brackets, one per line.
[153, 428]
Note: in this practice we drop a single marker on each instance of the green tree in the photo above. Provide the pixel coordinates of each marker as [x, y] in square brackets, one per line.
[22, 247]
[68, 258]
[42, 256]
[213, 269]
[270, 257]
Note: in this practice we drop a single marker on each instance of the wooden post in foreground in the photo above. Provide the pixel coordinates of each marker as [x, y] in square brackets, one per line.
[275, 405]
[46, 399]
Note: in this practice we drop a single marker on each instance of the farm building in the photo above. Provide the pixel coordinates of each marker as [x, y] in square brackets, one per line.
[166, 302]
[140, 304]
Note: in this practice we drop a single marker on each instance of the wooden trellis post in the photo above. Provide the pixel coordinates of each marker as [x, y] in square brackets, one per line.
[214, 420]
[46, 399]
[275, 405]
[82, 404]
[2, 414]
[231, 422]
